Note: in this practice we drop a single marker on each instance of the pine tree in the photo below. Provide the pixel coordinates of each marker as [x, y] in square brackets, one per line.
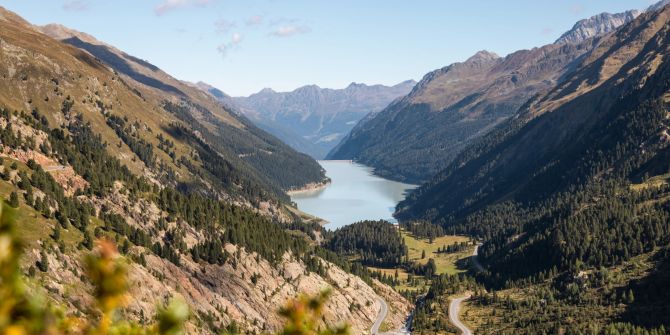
[56, 233]
[14, 199]
[630, 298]
[88, 241]
[126, 246]
[43, 264]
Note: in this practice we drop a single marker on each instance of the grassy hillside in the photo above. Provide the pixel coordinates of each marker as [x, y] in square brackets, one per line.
[253, 157]
[570, 198]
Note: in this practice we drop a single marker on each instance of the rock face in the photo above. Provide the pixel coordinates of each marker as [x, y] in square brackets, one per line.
[418, 135]
[657, 5]
[597, 25]
[313, 119]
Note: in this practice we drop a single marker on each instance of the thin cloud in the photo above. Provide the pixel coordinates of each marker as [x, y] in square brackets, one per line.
[168, 5]
[236, 39]
[223, 26]
[75, 5]
[290, 30]
[255, 20]
[225, 48]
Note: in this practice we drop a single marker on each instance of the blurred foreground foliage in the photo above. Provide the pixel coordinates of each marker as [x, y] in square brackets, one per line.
[23, 312]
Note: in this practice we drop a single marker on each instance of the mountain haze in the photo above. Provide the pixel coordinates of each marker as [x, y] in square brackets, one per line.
[313, 119]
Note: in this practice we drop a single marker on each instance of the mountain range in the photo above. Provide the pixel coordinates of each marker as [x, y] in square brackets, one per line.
[420, 134]
[312, 119]
[239, 144]
[552, 163]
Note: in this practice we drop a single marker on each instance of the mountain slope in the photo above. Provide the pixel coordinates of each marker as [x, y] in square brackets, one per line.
[87, 153]
[571, 199]
[562, 168]
[283, 133]
[416, 137]
[243, 145]
[312, 119]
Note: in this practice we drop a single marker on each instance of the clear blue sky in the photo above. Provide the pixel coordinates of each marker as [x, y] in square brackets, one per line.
[242, 46]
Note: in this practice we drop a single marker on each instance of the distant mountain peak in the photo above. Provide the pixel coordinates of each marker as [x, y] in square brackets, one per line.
[596, 25]
[356, 85]
[266, 90]
[311, 87]
[61, 32]
[657, 6]
[483, 55]
[407, 82]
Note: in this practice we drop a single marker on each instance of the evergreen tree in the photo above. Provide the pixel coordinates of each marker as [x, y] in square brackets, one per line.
[14, 199]
[88, 240]
[43, 263]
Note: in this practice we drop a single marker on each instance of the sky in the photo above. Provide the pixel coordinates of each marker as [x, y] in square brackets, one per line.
[243, 46]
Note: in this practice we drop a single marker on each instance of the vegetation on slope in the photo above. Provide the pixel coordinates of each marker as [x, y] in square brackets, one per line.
[24, 312]
[133, 106]
[571, 190]
[377, 243]
[416, 137]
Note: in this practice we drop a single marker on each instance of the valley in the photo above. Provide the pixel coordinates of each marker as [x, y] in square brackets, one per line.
[519, 192]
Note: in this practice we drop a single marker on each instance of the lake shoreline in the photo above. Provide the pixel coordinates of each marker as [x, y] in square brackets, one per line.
[353, 193]
[309, 188]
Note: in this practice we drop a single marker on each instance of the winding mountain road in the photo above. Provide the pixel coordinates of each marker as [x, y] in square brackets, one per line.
[454, 309]
[383, 311]
[455, 305]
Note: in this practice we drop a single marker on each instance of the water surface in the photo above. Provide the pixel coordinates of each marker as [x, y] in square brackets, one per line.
[354, 194]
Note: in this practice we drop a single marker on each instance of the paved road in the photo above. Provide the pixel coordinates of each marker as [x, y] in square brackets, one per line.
[455, 305]
[383, 311]
[454, 309]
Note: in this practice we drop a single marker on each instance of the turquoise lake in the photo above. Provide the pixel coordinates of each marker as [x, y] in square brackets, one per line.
[354, 194]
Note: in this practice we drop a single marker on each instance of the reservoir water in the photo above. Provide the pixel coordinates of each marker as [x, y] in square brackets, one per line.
[354, 194]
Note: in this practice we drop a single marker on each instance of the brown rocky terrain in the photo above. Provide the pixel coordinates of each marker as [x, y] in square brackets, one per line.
[45, 82]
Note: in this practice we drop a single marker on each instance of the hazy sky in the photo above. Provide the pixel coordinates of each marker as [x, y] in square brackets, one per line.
[242, 46]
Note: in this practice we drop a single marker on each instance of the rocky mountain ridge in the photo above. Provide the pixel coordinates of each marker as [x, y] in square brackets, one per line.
[313, 119]
[418, 135]
[597, 25]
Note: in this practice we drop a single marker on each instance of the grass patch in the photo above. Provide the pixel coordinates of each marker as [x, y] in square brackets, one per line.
[446, 262]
